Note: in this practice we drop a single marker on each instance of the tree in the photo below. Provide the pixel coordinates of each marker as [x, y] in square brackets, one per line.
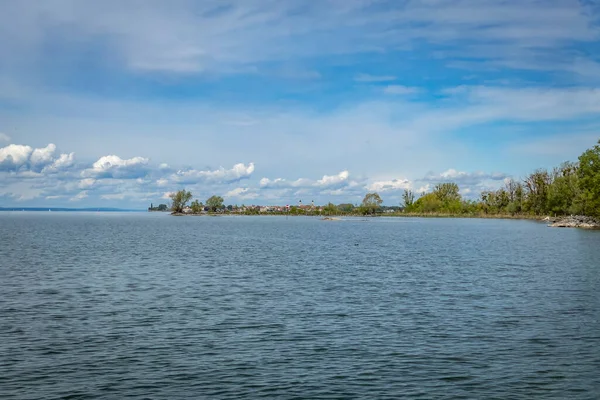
[371, 203]
[447, 192]
[427, 203]
[589, 181]
[564, 190]
[330, 209]
[408, 198]
[197, 207]
[179, 200]
[346, 207]
[214, 203]
[537, 185]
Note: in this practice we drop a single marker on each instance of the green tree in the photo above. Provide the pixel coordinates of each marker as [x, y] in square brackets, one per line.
[427, 203]
[537, 186]
[179, 200]
[214, 203]
[197, 207]
[447, 192]
[346, 208]
[408, 199]
[564, 190]
[589, 181]
[371, 203]
[330, 209]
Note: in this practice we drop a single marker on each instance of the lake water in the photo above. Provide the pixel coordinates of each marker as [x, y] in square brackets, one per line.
[149, 306]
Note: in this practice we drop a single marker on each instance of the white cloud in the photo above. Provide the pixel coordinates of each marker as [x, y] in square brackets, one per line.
[327, 181]
[115, 167]
[63, 162]
[333, 180]
[80, 196]
[191, 37]
[86, 183]
[242, 193]
[389, 186]
[14, 156]
[23, 158]
[401, 90]
[41, 157]
[424, 189]
[236, 173]
[4, 137]
[162, 182]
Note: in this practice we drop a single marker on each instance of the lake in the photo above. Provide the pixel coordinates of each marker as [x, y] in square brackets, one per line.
[150, 306]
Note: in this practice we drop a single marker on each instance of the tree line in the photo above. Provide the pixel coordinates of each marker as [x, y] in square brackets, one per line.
[569, 189]
[573, 188]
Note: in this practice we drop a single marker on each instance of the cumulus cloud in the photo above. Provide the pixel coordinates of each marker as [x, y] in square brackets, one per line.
[16, 157]
[236, 173]
[64, 161]
[242, 193]
[330, 181]
[326, 182]
[115, 167]
[41, 157]
[389, 186]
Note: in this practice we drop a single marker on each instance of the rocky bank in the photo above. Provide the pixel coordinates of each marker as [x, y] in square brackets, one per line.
[574, 221]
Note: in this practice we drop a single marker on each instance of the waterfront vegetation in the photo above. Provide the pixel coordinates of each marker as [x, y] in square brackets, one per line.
[573, 188]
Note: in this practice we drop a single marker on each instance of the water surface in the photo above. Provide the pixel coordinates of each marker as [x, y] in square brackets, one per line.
[100, 305]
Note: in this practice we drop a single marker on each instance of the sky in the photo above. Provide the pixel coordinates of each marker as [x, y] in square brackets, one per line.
[119, 103]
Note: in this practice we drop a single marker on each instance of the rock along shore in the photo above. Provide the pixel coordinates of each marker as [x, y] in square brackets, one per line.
[574, 221]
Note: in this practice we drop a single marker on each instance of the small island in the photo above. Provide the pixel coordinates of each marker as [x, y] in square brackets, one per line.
[161, 207]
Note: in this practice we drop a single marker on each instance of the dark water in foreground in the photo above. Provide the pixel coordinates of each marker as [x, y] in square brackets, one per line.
[151, 306]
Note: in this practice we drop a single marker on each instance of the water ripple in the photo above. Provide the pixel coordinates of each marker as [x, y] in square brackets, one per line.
[149, 307]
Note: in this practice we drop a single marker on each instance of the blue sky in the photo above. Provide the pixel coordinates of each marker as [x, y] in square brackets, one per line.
[118, 103]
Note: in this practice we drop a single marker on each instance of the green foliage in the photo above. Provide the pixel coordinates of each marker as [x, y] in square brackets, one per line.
[589, 181]
[447, 192]
[197, 207]
[179, 200]
[537, 186]
[427, 203]
[346, 208]
[408, 198]
[371, 203]
[214, 203]
[564, 191]
[330, 209]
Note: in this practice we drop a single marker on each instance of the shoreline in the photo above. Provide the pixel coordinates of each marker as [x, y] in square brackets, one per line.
[583, 222]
